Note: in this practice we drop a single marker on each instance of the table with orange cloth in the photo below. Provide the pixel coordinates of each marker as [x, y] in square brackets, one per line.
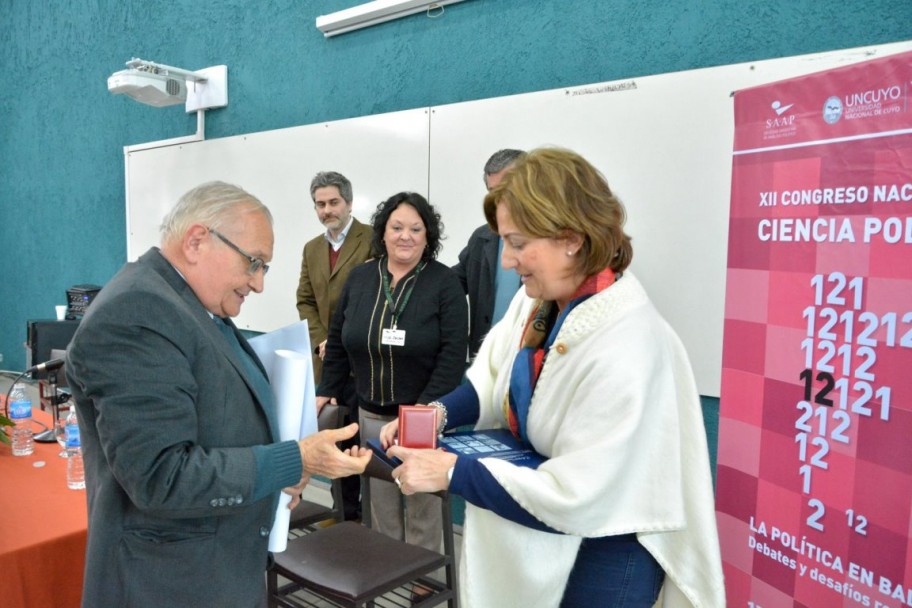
[42, 529]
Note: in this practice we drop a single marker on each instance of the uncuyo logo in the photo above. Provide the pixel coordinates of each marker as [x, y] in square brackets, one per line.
[832, 110]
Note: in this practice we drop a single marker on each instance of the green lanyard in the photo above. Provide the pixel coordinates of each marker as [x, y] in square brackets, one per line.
[397, 310]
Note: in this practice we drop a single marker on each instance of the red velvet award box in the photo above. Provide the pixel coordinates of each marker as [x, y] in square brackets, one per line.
[417, 426]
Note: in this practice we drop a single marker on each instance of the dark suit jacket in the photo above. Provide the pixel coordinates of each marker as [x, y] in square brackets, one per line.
[319, 290]
[476, 270]
[179, 514]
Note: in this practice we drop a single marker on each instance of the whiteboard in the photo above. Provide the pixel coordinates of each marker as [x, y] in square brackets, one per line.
[663, 142]
[381, 155]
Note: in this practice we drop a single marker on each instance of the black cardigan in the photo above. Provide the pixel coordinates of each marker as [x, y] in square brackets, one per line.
[429, 364]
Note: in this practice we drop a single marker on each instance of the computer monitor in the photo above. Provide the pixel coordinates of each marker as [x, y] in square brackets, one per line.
[45, 336]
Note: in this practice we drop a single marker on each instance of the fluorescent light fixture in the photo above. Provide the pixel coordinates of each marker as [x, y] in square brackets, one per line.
[372, 13]
[160, 85]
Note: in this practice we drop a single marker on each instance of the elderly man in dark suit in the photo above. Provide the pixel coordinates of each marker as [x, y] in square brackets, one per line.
[178, 423]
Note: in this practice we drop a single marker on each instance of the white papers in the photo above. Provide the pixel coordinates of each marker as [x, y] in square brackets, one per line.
[294, 337]
[286, 355]
[289, 369]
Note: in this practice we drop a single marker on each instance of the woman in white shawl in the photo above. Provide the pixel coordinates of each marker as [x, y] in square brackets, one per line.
[583, 369]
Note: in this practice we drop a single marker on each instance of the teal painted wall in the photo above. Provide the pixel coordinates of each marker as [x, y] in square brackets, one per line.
[62, 133]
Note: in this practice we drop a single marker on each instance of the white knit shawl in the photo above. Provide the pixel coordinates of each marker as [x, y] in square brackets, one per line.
[617, 412]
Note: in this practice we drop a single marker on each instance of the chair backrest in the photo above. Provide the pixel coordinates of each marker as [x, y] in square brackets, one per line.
[331, 416]
[308, 513]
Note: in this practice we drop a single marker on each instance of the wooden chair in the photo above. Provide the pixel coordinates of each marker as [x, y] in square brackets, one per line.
[352, 566]
[307, 513]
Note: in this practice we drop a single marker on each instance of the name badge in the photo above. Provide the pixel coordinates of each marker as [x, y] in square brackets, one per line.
[393, 337]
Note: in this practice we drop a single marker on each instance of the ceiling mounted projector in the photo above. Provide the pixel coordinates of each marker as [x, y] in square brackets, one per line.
[152, 89]
[160, 85]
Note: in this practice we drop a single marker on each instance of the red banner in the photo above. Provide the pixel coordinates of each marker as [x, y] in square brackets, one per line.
[814, 480]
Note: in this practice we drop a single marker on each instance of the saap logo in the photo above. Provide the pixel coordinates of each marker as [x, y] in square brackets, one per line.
[779, 108]
[832, 110]
[782, 124]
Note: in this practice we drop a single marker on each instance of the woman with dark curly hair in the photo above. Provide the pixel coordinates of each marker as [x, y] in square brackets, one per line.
[401, 329]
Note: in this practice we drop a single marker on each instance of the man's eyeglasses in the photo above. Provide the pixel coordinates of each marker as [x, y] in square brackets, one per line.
[256, 264]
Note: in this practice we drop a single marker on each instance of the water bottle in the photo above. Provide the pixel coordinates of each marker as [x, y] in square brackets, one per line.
[75, 468]
[21, 414]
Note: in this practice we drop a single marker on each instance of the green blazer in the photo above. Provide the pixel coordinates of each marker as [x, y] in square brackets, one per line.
[182, 469]
[319, 289]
